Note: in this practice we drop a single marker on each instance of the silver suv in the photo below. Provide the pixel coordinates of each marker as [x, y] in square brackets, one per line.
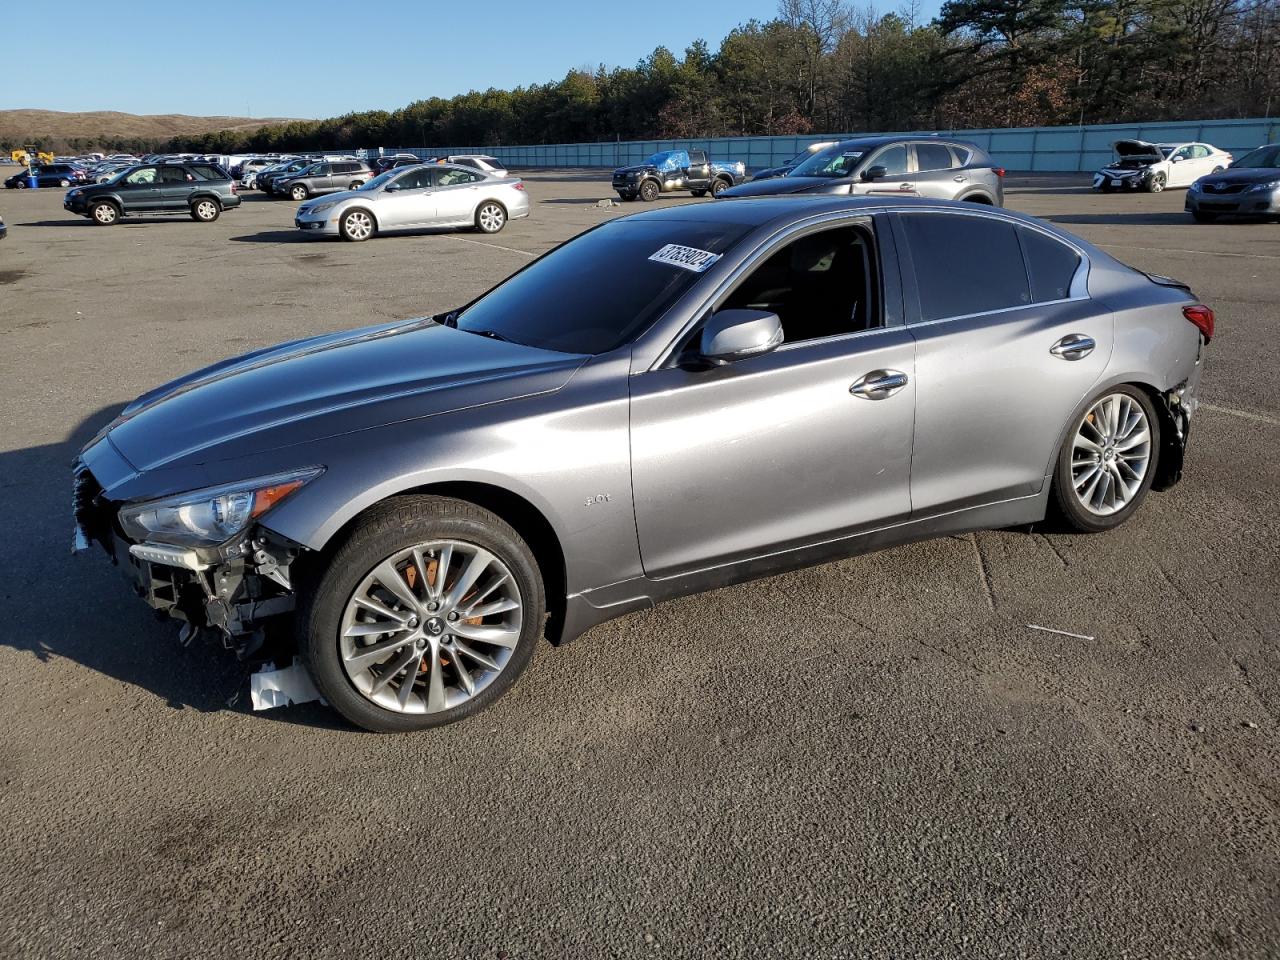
[325, 176]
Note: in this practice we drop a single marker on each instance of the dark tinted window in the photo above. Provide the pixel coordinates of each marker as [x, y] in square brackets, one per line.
[204, 171]
[1052, 265]
[893, 159]
[173, 175]
[965, 264]
[599, 290]
[416, 179]
[932, 156]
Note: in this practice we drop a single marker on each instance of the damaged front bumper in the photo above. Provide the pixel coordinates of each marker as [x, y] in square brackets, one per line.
[1121, 179]
[231, 589]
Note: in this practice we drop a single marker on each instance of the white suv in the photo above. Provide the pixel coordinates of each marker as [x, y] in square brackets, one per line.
[480, 161]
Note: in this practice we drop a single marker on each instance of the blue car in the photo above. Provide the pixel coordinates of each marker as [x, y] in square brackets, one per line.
[47, 175]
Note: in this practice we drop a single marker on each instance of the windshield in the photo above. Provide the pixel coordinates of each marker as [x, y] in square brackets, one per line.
[1165, 151]
[835, 161]
[598, 291]
[120, 175]
[377, 182]
[1259, 159]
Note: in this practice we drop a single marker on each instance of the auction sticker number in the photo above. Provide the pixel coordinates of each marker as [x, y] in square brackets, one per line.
[687, 258]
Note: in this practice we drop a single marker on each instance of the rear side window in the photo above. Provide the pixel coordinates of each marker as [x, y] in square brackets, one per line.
[965, 265]
[932, 156]
[173, 175]
[205, 171]
[1051, 263]
[697, 156]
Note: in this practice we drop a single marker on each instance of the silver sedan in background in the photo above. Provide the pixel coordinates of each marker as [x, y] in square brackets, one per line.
[412, 198]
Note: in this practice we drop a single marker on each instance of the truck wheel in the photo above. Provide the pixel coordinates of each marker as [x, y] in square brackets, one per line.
[299, 192]
[649, 191]
[718, 186]
[205, 211]
[626, 197]
[105, 213]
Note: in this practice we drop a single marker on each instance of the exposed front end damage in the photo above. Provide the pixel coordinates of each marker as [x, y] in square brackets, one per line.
[1136, 163]
[232, 590]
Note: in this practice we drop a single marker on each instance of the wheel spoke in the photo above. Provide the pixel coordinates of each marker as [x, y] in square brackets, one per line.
[476, 655]
[436, 590]
[476, 566]
[364, 657]
[1082, 480]
[497, 634]
[373, 629]
[1134, 440]
[435, 684]
[389, 577]
[371, 604]
[489, 609]
[406, 685]
[1084, 443]
[464, 677]
[390, 672]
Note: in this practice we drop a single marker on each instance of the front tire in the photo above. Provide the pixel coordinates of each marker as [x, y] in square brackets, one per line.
[649, 191]
[1155, 184]
[356, 226]
[491, 217]
[1108, 460]
[427, 613]
[104, 213]
[719, 186]
[205, 211]
[299, 192]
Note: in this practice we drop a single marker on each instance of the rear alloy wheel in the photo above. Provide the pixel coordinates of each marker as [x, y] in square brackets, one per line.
[1156, 183]
[356, 226]
[1107, 464]
[299, 192]
[64, 182]
[427, 614]
[649, 191]
[205, 211]
[718, 186]
[491, 217]
[105, 213]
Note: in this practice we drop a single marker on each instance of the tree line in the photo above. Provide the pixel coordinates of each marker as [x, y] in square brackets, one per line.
[824, 66]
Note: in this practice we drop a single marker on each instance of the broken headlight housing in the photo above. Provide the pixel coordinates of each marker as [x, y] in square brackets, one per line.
[206, 518]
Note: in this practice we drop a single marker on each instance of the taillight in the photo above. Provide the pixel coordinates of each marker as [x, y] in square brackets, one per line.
[1202, 317]
[519, 184]
[999, 171]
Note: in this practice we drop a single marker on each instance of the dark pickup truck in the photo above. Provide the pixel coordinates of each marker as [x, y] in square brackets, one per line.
[673, 170]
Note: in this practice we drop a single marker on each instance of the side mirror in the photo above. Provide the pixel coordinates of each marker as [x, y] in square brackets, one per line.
[875, 173]
[737, 334]
[392, 187]
[1176, 159]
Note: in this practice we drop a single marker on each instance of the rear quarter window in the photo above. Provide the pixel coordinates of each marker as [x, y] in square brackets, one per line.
[208, 172]
[965, 264]
[1051, 264]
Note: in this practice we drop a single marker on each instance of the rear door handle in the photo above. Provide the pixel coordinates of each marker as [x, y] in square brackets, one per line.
[879, 384]
[1074, 346]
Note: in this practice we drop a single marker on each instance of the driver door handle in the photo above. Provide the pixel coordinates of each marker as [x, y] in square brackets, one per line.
[879, 384]
[1074, 346]
[959, 179]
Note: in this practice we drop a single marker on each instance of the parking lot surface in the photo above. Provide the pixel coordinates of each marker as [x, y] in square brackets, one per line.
[876, 757]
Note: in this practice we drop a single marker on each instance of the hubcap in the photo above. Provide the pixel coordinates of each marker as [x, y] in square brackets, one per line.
[1110, 454]
[430, 627]
[205, 210]
[491, 218]
[359, 225]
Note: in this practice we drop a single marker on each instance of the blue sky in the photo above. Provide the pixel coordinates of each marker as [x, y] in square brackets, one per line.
[349, 54]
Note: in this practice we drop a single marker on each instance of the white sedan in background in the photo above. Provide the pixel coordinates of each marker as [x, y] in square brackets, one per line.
[412, 198]
[1140, 165]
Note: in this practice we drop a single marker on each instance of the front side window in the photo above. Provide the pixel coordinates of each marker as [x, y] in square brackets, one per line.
[143, 176]
[600, 290]
[893, 159]
[932, 156]
[965, 264]
[416, 179]
[820, 285]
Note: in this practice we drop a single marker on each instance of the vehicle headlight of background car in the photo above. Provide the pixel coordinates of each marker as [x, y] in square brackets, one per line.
[209, 517]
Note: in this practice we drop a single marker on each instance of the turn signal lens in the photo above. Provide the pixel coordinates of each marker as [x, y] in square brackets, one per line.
[1202, 317]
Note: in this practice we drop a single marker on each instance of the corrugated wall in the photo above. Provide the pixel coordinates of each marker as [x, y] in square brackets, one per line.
[1019, 148]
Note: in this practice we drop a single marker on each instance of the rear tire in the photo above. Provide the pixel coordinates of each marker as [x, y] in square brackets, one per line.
[392, 530]
[649, 191]
[104, 213]
[491, 217]
[1107, 461]
[205, 211]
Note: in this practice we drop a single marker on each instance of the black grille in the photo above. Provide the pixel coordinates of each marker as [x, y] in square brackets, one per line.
[1225, 187]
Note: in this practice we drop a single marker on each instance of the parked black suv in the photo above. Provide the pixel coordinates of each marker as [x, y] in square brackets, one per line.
[202, 190]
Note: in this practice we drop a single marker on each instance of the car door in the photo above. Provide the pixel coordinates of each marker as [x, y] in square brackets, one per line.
[408, 200]
[1182, 167]
[1008, 343]
[784, 449]
[935, 175]
[897, 178]
[140, 190]
[699, 174]
[457, 194]
[175, 187]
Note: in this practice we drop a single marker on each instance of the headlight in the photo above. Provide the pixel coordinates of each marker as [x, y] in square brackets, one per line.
[322, 207]
[206, 518]
[1261, 187]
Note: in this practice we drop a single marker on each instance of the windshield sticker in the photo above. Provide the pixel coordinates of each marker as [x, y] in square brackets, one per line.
[689, 258]
[853, 154]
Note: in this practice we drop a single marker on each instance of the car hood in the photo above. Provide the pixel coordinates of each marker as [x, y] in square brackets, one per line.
[1137, 148]
[324, 386]
[370, 195]
[780, 185]
[772, 172]
[1244, 175]
[638, 168]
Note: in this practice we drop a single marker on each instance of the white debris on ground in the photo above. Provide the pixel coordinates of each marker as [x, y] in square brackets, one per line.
[271, 687]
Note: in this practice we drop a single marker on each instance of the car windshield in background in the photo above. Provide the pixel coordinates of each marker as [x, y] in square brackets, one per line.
[1260, 159]
[835, 162]
[598, 291]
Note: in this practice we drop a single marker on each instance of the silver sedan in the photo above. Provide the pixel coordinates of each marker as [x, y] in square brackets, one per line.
[413, 198]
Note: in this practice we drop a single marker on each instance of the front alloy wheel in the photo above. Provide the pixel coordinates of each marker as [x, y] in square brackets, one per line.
[105, 213]
[649, 191]
[299, 192]
[427, 613]
[356, 225]
[1108, 463]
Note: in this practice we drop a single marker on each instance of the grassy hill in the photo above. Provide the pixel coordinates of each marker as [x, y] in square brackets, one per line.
[60, 131]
